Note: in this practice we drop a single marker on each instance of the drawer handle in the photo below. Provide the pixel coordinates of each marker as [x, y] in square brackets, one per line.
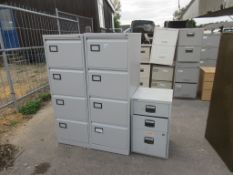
[53, 48]
[191, 34]
[142, 70]
[60, 102]
[141, 83]
[95, 47]
[149, 140]
[97, 105]
[57, 76]
[143, 51]
[150, 109]
[99, 130]
[96, 78]
[190, 50]
[63, 125]
[150, 123]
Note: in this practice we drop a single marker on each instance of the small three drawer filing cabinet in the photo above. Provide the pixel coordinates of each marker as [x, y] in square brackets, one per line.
[113, 64]
[150, 120]
[66, 67]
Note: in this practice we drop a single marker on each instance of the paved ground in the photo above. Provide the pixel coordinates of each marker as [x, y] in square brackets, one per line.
[190, 153]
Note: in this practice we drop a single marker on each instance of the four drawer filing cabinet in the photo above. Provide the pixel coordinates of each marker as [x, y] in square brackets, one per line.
[151, 114]
[92, 79]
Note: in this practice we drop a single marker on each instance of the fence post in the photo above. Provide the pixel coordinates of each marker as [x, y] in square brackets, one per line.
[58, 22]
[7, 69]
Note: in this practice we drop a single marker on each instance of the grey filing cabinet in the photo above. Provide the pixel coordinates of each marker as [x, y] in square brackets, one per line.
[150, 121]
[188, 56]
[66, 69]
[209, 51]
[113, 67]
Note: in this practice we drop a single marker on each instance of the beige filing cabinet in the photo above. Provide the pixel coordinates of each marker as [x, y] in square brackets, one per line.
[145, 53]
[145, 75]
[150, 121]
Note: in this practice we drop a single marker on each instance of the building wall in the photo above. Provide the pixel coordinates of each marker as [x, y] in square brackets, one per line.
[209, 6]
[192, 11]
[229, 3]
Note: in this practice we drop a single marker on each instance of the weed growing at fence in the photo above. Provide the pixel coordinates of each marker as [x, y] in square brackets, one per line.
[45, 97]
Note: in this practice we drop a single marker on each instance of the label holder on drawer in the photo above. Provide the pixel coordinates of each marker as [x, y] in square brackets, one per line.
[53, 48]
[191, 34]
[189, 50]
[96, 78]
[95, 47]
[57, 76]
[60, 102]
[63, 125]
[149, 140]
[150, 109]
[97, 105]
[99, 130]
[149, 123]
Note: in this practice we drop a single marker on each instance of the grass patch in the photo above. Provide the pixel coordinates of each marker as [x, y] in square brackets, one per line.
[13, 123]
[45, 97]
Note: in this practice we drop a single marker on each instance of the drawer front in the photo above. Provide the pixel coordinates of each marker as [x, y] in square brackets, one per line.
[65, 54]
[209, 53]
[105, 84]
[110, 136]
[188, 75]
[191, 37]
[111, 112]
[153, 143]
[70, 108]
[188, 54]
[72, 133]
[145, 82]
[107, 54]
[163, 55]
[150, 123]
[162, 84]
[182, 90]
[211, 40]
[67, 82]
[144, 71]
[162, 73]
[166, 37]
[145, 54]
[209, 63]
[151, 109]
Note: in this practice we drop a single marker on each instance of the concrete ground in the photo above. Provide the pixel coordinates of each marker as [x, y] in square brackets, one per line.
[190, 153]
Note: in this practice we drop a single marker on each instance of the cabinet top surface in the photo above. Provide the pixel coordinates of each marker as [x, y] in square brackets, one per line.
[154, 94]
[208, 69]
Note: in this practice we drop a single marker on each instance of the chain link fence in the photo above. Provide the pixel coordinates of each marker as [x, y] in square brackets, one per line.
[23, 68]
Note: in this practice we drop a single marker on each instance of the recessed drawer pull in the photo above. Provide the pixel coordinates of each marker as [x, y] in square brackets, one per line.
[141, 83]
[149, 140]
[97, 105]
[99, 130]
[142, 70]
[96, 78]
[57, 76]
[150, 123]
[190, 34]
[143, 51]
[95, 47]
[62, 125]
[150, 109]
[60, 102]
[53, 48]
[189, 50]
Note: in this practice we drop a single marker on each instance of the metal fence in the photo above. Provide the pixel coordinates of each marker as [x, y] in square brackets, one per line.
[22, 60]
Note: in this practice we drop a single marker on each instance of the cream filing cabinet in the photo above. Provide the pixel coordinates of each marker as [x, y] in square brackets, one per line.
[92, 79]
[150, 121]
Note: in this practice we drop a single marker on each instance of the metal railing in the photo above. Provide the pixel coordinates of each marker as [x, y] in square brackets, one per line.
[23, 68]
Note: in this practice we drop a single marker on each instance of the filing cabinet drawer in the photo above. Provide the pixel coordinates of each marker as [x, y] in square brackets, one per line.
[65, 54]
[163, 55]
[190, 37]
[144, 71]
[107, 54]
[145, 82]
[211, 40]
[110, 136]
[162, 73]
[72, 133]
[111, 112]
[70, 108]
[166, 37]
[105, 84]
[145, 54]
[209, 63]
[153, 143]
[149, 123]
[162, 84]
[185, 90]
[67, 82]
[209, 53]
[150, 109]
[188, 54]
[187, 74]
